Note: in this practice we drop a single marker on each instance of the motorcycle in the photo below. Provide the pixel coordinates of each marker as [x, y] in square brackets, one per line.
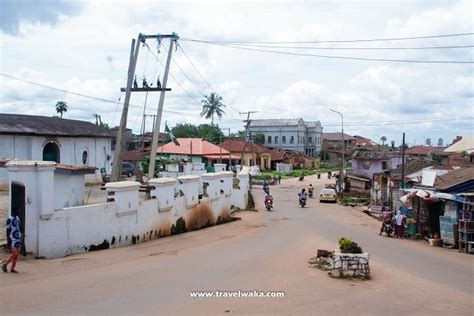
[329, 175]
[388, 228]
[269, 202]
[302, 201]
[310, 193]
[301, 178]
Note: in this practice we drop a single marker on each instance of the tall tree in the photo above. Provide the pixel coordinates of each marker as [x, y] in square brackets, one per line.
[61, 107]
[184, 130]
[383, 139]
[211, 133]
[258, 138]
[212, 105]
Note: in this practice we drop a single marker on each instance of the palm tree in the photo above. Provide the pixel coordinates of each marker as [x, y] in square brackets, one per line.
[61, 107]
[212, 105]
[383, 139]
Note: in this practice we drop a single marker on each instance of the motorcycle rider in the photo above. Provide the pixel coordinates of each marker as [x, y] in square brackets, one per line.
[387, 217]
[266, 189]
[303, 195]
[310, 190]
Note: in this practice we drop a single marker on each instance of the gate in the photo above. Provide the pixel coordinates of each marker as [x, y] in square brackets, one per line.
[18, 209]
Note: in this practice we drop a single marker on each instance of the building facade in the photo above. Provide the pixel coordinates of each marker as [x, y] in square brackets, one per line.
[67, 142]
[290, 134]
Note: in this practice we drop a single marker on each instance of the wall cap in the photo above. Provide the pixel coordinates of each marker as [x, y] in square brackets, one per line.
[210, 175]
[226, 173]
[30, 164]
[162, 182]
[189, 178]
[122, 186]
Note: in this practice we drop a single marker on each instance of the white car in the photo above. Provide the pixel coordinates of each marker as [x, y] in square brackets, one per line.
[328, 195]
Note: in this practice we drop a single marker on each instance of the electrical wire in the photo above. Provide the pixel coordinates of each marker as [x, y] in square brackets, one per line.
[333, 41]
[345, 57]
[352, 48]
[94, 97]
[202, 76]
[353, 124]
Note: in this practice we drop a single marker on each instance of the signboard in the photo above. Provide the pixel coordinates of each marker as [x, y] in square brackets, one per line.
[446, 228]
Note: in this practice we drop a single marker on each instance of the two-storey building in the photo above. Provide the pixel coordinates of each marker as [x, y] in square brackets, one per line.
[290, 134]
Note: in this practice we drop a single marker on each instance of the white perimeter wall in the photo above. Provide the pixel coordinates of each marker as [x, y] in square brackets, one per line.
[53, 230]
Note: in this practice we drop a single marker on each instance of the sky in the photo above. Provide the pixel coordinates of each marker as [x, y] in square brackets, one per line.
[84, 46]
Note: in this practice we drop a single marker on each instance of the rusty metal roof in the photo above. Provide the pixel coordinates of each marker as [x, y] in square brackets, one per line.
[454, 178]
[15, 124]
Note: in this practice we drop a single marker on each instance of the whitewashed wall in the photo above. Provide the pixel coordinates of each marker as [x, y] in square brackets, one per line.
[122, 219]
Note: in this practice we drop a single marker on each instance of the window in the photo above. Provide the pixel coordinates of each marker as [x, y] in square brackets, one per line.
[303, 139]
[366, 164]
[292, 139]
[385, 165]
[51, 152]
[269, 140]
[276, 139]
[84, 157]
[283, 139]
[310, 140]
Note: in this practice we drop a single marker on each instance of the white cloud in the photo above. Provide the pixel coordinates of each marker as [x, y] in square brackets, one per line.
[88, 53]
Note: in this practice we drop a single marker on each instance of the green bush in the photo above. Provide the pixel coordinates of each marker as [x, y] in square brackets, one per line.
[346, 245]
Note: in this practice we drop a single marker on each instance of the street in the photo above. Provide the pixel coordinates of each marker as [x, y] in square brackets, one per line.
[264, 251]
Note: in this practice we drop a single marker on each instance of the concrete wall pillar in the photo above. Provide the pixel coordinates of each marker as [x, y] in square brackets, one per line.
[227, 179]
[213, 187]
[124, 194]
[163, 190]
[38, 179]
[189, 185]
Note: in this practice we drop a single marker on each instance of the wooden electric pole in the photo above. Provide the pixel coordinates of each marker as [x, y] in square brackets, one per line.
[247, 121]
[121, 137]
[156, 130]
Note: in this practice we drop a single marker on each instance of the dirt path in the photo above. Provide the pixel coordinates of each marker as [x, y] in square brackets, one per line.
[265, 251]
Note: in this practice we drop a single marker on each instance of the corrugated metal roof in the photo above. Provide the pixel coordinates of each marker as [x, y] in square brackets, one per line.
[15, 124]
[454, 178]
[275, 122]
[336, 136]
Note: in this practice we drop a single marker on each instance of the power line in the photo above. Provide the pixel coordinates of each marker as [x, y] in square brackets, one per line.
[354, 123]
[345, 57]
[96, 98]
[175, 80]
[334, 41]
[195, 68]
[352, 48]
[201, 75]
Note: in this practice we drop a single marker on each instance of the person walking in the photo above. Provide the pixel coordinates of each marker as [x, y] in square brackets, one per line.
[14, 232]
[279, 179]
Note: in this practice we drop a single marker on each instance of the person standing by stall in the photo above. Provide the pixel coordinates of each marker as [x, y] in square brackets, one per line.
[399, 225]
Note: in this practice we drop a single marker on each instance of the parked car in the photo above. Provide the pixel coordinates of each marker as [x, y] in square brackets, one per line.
[328, 195]
[128, 169]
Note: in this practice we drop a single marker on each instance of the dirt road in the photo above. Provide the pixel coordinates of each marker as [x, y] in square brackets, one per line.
[265, 251]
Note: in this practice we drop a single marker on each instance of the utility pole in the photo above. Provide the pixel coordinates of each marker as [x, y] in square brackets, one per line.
[156, 132]
[403, 161]
[228, 149]
[120, 144]
[247, 121]
[341, 173]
